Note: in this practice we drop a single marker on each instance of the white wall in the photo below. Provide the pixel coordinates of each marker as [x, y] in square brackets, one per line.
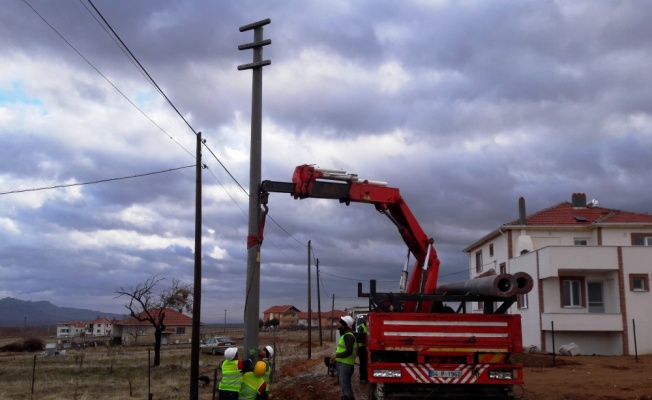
[602, 343]
[638, 260]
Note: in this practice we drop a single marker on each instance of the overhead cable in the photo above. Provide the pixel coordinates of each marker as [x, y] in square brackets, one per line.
[94, 182]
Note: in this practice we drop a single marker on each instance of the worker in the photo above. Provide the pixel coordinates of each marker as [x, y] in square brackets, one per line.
[231, 367]
[253, 383]
[345, 356]
[362, 347]
[266, 355]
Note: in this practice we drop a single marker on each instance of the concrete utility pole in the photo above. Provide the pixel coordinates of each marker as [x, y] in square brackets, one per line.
[254, 239]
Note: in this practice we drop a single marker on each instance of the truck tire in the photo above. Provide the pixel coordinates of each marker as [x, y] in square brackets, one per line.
[371, 391]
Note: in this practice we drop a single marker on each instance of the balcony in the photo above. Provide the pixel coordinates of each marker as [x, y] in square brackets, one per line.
[576, 258]
[582, 322]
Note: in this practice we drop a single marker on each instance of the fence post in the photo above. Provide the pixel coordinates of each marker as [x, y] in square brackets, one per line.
[33, 374]
[150, 396]
[554, 360]
[215, 381]
[635, 345]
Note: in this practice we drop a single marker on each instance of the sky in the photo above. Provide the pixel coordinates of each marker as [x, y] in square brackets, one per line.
[464, 106]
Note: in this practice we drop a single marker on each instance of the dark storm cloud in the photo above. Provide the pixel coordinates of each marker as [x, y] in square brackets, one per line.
[464, 107]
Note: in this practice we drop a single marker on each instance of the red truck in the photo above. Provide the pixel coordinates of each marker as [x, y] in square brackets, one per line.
[419, 347]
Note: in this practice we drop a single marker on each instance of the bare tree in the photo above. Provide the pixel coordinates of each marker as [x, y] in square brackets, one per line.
[145, 305]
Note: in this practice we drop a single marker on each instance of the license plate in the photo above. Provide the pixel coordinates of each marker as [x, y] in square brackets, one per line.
[444, 374]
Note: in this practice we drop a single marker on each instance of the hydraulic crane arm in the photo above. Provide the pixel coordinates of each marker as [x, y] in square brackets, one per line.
[386, 200]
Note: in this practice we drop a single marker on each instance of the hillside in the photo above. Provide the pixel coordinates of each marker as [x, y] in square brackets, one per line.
[14, 312]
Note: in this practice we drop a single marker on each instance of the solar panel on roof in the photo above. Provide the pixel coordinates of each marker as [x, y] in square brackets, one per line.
[579, 218]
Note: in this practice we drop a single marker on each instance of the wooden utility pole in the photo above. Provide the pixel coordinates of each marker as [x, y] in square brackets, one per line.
[309, 310]
[332, 316]
[196, 296]
[321, 340]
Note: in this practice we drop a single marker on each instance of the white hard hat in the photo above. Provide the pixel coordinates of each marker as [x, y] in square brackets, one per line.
[348, 321]
[230, 353]
[270, 351]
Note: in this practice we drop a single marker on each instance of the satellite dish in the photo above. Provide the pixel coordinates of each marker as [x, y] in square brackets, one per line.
[593, 203]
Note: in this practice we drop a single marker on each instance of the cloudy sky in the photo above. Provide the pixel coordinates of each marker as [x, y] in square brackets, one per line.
[464, 106]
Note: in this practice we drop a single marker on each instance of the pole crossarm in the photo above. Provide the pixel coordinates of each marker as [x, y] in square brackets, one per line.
[255, 25]
[255, 44]
[254, 65]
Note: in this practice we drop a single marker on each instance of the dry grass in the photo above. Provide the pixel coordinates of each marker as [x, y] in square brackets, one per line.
[121, 373]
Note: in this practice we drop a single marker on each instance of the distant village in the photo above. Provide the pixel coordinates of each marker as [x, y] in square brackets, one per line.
[131, 331]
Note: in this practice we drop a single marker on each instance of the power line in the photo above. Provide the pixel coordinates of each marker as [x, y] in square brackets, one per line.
[105, 78]
[142, 68]
[134, 60]
[94, 182]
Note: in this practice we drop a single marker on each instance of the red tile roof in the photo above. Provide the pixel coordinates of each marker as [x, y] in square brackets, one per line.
[78, 324]
[172, 318]
[564, 214]
[100, 321]
[324, 314]
[280, 309]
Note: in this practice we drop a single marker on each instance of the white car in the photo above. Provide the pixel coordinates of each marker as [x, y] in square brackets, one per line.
[217, 345]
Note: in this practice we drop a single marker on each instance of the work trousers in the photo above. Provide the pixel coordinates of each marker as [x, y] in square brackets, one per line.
[362, 356]
[228, 395]
[345, 372]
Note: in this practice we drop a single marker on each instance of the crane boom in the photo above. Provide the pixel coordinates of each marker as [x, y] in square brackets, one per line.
[311, 182]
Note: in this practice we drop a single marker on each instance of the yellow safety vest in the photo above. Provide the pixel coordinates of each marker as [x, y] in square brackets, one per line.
[250, 385]
[268, 372]
[231, 376]
[341, 347]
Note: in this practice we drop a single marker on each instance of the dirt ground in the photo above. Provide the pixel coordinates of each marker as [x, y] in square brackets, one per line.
[297, 377]
[563, 378]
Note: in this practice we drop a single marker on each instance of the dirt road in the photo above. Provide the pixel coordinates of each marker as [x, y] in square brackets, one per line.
[567, 378]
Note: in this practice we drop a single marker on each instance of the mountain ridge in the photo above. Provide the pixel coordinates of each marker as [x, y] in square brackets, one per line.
[15, 312]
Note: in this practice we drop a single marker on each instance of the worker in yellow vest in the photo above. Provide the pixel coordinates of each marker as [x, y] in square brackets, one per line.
[266, 355]
[231, 368]
[362, 347]
[345, 356]
[253, 383]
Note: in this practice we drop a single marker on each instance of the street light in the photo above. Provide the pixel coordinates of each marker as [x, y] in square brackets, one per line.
[225, 321]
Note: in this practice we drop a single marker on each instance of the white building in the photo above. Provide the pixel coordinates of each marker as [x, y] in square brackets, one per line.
[99, 327]
[591, 269]
[70, 329]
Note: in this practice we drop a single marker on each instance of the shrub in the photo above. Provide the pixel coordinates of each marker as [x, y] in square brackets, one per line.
[33, 344]
[12, 347]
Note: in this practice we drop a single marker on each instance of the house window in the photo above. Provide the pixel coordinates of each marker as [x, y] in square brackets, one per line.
[491, 250]
[503, 268]
[478, 261]
[141, 331]
[521, 300]
[639, 283]
[572, 295]
[581, 242]
[181, 330]
[641, 239]
[595, 294]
